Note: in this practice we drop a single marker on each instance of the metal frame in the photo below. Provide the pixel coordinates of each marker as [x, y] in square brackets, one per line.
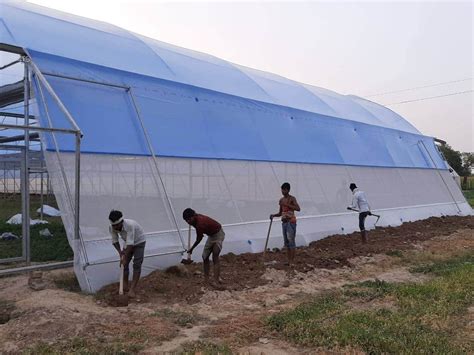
[10, 64]
[50, 266]
[30, 69]
[12, 164]
[41, 77]
[74, 206]
[25, 186]
[146, 256]
[155, 161]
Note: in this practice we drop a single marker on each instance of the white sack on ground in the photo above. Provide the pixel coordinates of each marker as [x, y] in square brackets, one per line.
[17, 219]
[49, 211]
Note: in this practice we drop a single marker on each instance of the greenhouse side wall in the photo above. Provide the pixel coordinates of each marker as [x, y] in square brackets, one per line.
[239, 194]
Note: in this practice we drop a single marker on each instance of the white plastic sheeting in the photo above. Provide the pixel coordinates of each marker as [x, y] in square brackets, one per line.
[49, 211]
[17, 219]
[239, 194]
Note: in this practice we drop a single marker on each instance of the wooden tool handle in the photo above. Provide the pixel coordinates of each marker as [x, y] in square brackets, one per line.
[121, 280]
[268, 236]
[189, 242]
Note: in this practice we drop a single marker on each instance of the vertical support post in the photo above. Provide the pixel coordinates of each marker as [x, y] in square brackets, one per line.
[24, 226]
[152, 151]
[62, 170]
[77, 189]
[42, 190]
[47, 188]
[26, 173]
[14, 181]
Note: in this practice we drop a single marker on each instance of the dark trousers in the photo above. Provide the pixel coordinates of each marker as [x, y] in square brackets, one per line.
[362, 217]
[138, 253]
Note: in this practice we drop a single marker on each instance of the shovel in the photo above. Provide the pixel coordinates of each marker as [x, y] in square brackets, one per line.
[371, 214]
[266, 242]
[122, 300]
[188, 260]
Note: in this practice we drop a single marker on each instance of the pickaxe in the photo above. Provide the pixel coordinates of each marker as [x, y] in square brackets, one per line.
[370, 214]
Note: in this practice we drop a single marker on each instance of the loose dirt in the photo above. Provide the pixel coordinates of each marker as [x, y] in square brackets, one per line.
[241, 272]
[235, 315]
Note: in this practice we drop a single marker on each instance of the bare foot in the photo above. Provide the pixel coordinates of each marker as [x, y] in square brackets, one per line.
[132, 293]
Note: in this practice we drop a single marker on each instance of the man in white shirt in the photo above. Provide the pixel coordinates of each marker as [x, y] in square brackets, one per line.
[134, 246]
[360, 203]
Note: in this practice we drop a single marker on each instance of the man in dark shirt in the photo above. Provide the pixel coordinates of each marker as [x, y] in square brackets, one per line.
[213, 229]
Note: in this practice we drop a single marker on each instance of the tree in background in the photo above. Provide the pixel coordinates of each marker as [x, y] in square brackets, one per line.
[468, 162]
[453, 157]
[462, 163]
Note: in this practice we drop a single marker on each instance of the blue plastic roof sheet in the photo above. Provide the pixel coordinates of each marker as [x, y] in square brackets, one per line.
[196, 105]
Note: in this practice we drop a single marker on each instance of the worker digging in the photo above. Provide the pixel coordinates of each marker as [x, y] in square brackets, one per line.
[134, 238]
[213, 229]
[361, 205]
[134, 247]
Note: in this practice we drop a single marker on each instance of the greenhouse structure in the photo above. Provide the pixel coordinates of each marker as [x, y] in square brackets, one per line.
[131, 123]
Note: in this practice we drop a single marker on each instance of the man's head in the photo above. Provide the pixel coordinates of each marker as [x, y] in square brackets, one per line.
[116, 220]
[352, 186]
[285, 188]
[189, 215]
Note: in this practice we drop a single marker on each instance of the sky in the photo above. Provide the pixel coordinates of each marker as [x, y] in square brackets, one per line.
[405, 50]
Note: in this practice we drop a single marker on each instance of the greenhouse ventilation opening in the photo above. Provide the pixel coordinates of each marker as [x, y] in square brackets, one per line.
[165, 128]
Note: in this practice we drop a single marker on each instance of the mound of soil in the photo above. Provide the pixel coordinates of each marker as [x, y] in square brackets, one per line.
[245, 271]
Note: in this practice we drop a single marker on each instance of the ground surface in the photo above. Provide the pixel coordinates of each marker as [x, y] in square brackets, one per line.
[175, 312]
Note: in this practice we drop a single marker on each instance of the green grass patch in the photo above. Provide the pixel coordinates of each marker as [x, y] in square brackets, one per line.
[469, 194]
[446, 267]
[298, 322]
[427, 318]
[367, 290]
[179, 318]
[205, 348]
[10, 205]
[55, 248]
[43, 249]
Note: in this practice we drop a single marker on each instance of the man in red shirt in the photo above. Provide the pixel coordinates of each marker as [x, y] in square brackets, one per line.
[213, 229]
